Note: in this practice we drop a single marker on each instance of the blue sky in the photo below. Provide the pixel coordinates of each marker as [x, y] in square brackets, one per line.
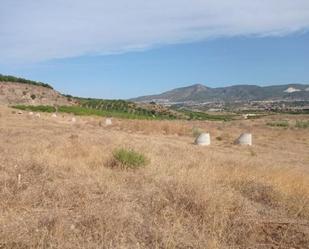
[130, 48]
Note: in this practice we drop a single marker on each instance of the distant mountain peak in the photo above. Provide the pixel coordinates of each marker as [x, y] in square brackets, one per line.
[200, 93]
[193, 89]
[199, 87]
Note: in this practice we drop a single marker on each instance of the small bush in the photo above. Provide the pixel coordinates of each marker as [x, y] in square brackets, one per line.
[284, 124]
[129, 159]
[194, 115]
[253, 153]
[38, 108]
[196, 132]
[302, 124]
[33, 96]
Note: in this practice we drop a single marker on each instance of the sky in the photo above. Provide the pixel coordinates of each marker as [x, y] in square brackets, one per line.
[128, 48]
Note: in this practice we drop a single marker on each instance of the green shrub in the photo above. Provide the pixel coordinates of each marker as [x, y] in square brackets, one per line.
[129, 159]
[38, 108]
[302, 124]
[194, 115]
[33, 96]
[282, 123]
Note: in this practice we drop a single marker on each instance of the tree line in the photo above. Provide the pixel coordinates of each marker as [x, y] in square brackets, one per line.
[9, 78]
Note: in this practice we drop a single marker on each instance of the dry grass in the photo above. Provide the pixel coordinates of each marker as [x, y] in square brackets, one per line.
[56, 192]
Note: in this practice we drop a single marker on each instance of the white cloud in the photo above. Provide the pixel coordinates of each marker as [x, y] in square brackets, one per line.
[32, 30]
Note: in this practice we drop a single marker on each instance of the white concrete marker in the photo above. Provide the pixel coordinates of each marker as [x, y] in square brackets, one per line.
[245, 139]
[203, 139]
[108, 121]
[54, 115]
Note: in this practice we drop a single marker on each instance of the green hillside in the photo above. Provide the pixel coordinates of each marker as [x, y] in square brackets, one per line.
[124, 109]
[127, 107]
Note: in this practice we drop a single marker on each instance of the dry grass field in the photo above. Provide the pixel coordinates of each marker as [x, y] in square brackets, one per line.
[57, 189]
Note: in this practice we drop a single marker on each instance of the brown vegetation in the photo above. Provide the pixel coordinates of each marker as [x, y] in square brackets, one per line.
[57, 191]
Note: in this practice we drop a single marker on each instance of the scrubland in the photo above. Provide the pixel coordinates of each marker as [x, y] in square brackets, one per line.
[57, 189]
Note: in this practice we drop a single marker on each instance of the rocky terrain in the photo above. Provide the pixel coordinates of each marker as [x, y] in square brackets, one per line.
[12, 93]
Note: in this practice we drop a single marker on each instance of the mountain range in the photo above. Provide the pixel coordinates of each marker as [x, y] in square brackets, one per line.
[239, 93]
